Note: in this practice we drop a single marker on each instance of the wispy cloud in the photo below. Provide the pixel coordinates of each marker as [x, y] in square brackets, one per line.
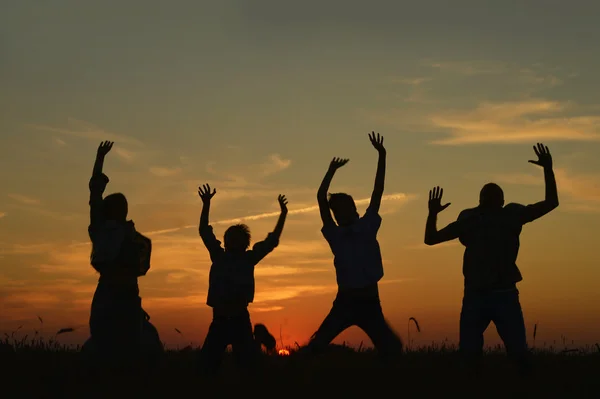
[60, 142]
[265, 309]
[473, 67]
[24, 199]
[390, 197]
[275, 164]
[516, 122]
[125, 154]
[400, 198]
[165, 172]
[86, 130]
[411, 81]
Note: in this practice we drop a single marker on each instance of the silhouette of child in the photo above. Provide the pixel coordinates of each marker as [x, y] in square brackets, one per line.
[120, 254]
[231, 286]
[358, 263]
[490, 233]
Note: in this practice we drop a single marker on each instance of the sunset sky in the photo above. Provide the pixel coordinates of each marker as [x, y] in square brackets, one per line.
[255, 98]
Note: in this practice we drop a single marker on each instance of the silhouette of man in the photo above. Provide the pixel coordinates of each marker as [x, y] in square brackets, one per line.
[490, 233]
[231, 286]
[358, 263]
[120, 254]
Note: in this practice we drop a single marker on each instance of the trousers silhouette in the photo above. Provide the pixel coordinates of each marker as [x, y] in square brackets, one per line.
[504, 309]
[363, 312]
[227, 329]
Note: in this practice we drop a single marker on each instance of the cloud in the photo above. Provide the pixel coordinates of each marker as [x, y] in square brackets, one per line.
[515, 122]
[2, 214]
[266, 309]
[497, 102]
[24, 199]
[275, 164]
[411, 81]
[86, 130]
[474, 67]
[535, 75]
[125, 154]
[390, 197]
[165, 172]
[400, 198]
[51, 214]
[59, 142]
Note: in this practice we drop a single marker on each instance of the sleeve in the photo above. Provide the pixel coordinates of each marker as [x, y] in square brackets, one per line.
[262, 248]
[97, 186]
[372, 221]
[210, 241]
[329, 232]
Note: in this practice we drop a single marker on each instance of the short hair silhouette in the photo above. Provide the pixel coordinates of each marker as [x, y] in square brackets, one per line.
[115, 207]
[343, 206]
[237, 237]
[491, 196]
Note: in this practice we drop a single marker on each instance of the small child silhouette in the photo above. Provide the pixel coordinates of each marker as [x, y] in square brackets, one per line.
[231, 286]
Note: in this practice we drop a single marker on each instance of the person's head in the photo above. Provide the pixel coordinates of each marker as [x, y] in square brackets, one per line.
[115, 207]
[491, 196]
[237, 238]
[343, 207]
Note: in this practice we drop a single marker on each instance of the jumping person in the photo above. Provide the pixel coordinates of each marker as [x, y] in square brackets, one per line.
[490, 233]
[231, 286]
[358, 263]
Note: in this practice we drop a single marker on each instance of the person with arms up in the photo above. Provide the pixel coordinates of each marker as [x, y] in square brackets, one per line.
[120, 254]
[231, 286]
[490, 233]
[358, 263]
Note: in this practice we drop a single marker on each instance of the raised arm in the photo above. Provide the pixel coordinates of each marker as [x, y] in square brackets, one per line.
[550, 202]
[98, 183]
[377, 194]
[434, 236]
[205, 230]
[326, 217]
[282, 216]
[263, 248]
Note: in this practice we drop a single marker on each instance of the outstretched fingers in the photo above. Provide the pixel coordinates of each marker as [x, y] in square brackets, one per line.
[204, 191]
[376, 139]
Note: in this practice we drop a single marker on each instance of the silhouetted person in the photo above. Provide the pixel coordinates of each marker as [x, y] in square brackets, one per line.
[120, 254]
[490, 234]
[231, 286]
[358, 263]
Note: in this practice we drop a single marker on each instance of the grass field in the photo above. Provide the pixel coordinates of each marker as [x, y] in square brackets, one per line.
[38, 368]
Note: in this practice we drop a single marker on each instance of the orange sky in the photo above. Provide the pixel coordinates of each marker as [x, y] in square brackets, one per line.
[256, 101]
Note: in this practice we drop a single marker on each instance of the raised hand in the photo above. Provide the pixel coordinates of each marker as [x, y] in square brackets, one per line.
[337, 163]
[435, 200]
[544, 157]
[282, 203]
[205, 193]
[377, 141]
[104, 148]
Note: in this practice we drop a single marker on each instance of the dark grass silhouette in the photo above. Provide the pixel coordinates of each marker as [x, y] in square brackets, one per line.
[39, 367]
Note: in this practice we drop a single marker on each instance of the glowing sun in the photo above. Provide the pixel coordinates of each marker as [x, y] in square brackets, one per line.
[284, 352]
